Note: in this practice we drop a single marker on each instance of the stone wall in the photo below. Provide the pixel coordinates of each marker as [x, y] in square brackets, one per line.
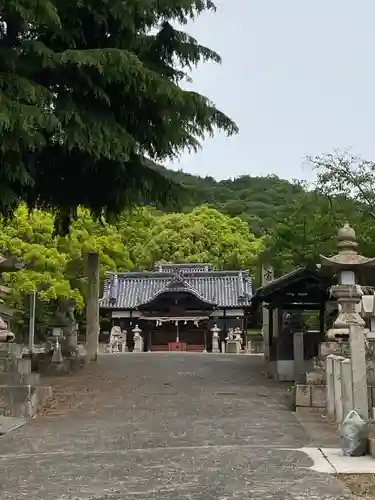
[314, 396]
[21, 395]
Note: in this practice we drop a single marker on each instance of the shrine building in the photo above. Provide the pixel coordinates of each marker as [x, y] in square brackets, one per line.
[176, 305]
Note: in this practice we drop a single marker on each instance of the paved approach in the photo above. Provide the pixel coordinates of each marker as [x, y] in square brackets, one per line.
[164, 427]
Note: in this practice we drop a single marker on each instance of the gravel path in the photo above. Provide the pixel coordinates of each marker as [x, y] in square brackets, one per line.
[163, 427]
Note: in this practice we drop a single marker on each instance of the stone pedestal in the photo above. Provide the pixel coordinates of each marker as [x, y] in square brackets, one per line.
[138, 343]
[233, 347]
[215, 344]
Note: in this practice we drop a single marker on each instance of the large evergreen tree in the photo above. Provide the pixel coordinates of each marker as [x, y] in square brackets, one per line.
[88, 90]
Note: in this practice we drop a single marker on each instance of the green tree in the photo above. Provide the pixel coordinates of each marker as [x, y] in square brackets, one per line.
[349, 177]
[261, 201]
[203, 235]
[310, 228]
[88, 90]
[54, 266]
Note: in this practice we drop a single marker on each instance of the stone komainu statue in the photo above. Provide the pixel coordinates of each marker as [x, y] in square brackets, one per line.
[65, 317]
[5, 334]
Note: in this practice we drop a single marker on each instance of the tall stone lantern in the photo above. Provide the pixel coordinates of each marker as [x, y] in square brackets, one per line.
[347, 263]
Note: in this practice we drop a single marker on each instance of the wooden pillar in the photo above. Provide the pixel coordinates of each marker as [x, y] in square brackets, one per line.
[149, 347]
[244, 329]
[92, 309]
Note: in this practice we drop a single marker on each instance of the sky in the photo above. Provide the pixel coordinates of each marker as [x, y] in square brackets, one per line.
[298, 78]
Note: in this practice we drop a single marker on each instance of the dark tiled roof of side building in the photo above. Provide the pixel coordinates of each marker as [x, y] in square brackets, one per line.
[222, 288]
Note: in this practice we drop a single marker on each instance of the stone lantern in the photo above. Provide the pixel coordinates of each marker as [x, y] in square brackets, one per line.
[57, 361]
[349, 324]
[138, 339]
[347, 263]
[215, 339]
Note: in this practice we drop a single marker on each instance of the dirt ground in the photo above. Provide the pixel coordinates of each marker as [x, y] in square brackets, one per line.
[361, 485]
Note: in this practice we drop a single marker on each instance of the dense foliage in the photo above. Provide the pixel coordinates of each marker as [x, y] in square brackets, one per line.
[90, 89]
[260, 201]
[299, 223]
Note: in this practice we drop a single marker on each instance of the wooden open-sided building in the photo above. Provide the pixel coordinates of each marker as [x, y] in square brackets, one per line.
[283, 300]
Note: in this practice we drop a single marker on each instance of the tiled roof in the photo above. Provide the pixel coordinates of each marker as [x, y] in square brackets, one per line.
[222, 288]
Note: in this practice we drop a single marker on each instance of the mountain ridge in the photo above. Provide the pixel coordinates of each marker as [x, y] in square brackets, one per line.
[261, 201]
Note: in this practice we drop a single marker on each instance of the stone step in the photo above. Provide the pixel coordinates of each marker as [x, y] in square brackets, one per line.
[8, 424]
[19, 378]
[23, 401]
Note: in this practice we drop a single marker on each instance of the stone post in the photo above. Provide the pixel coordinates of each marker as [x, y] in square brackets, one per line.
[358, 365]
[299, 358]
[346, 386]
[267, 277]
[330, 386]
[249, 347]
[138, 339]
[337, 360]
[92, 310]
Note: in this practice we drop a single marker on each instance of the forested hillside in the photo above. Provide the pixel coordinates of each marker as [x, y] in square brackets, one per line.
[260, 201]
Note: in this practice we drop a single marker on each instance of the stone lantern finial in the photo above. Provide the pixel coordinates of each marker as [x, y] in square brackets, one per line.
[347, 257]
[346, 239]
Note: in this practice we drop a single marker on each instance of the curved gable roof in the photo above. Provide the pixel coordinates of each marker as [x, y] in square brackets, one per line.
[179, 285]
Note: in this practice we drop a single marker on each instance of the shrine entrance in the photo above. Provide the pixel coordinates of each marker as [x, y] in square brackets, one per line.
[176, 319]
[177, 334]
